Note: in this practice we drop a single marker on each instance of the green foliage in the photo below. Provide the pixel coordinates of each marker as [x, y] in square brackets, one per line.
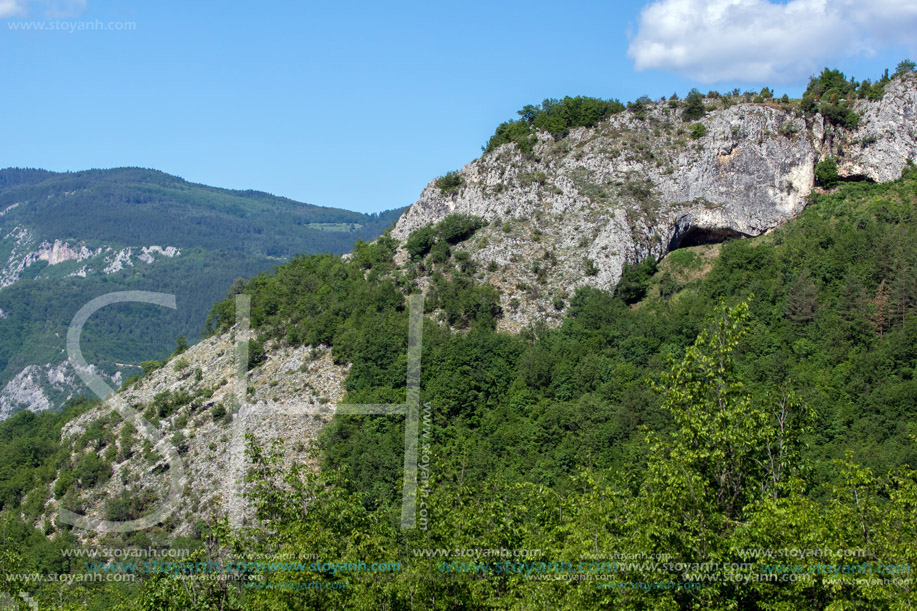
[698, 130]
[557, 117]
[788, 129]
[166, 403]
[218, 412]
[457, 228]
[826, 172]
[830, 83]
[420, 242]
[638, 107]
[91, 470]
[518, 132]
[726, 475]
[726, 445]
[871, 91]
[181, 345]
[31, 453]
[463, 302]
[149, 367]
[635, 279]
[668, 285]
[320, 300]
[839, 114]
[694, 107]
[440, 253]
[808, 103]
[129, 505]
[256, 353]
[449, 183]
[909, 171]
[905, 66]
[453, 229]
[560, 116]
[829, 93]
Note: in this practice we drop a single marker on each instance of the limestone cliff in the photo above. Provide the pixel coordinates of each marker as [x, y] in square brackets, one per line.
[635, 186]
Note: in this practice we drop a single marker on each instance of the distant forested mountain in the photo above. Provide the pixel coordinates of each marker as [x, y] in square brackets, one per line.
[66, 238]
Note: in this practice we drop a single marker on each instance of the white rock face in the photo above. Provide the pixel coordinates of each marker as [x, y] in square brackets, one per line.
[289, 397]
[630, 188]
[58, 252]
[24, 253]
[630, 192]
[24, 391]
[125, 257]
[80, 273]
[8, 208]
[21, 240]
[36, 386]
[146, 253]
[886, 136]
[118, 261]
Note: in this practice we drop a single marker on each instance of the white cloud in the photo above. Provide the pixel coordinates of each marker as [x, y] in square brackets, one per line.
[54, 9]
[11, 8]
[64, 8]
[759, 40]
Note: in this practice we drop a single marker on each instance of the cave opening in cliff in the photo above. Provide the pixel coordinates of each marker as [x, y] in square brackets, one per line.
[696, 236]
[856, 178]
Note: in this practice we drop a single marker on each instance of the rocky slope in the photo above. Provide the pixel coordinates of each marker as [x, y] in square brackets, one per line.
[634, 187]
[189, 403]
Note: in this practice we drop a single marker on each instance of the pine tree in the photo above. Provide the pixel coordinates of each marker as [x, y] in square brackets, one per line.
[802, 300]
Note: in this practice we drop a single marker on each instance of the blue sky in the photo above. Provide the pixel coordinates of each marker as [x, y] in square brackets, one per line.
[359, 105]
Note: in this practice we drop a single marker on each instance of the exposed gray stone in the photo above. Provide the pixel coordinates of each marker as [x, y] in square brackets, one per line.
[631, 188]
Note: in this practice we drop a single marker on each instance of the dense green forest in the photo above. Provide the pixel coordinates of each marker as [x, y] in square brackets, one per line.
[223, 235]
[139, 206]
[672, 431]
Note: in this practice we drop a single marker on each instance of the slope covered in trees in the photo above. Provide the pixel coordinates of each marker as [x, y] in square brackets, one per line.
[742, 437]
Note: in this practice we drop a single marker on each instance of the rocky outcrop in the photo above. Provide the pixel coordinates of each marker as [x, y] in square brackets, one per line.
[21, 256]
[41, 387]
[627, 189]
[582, 206]
[52, 253]
[120, 259]
[24, 392]
[147, 252]
[288, 397]
[886, 136]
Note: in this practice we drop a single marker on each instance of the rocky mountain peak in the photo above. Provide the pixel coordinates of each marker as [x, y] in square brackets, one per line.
[640, 184]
